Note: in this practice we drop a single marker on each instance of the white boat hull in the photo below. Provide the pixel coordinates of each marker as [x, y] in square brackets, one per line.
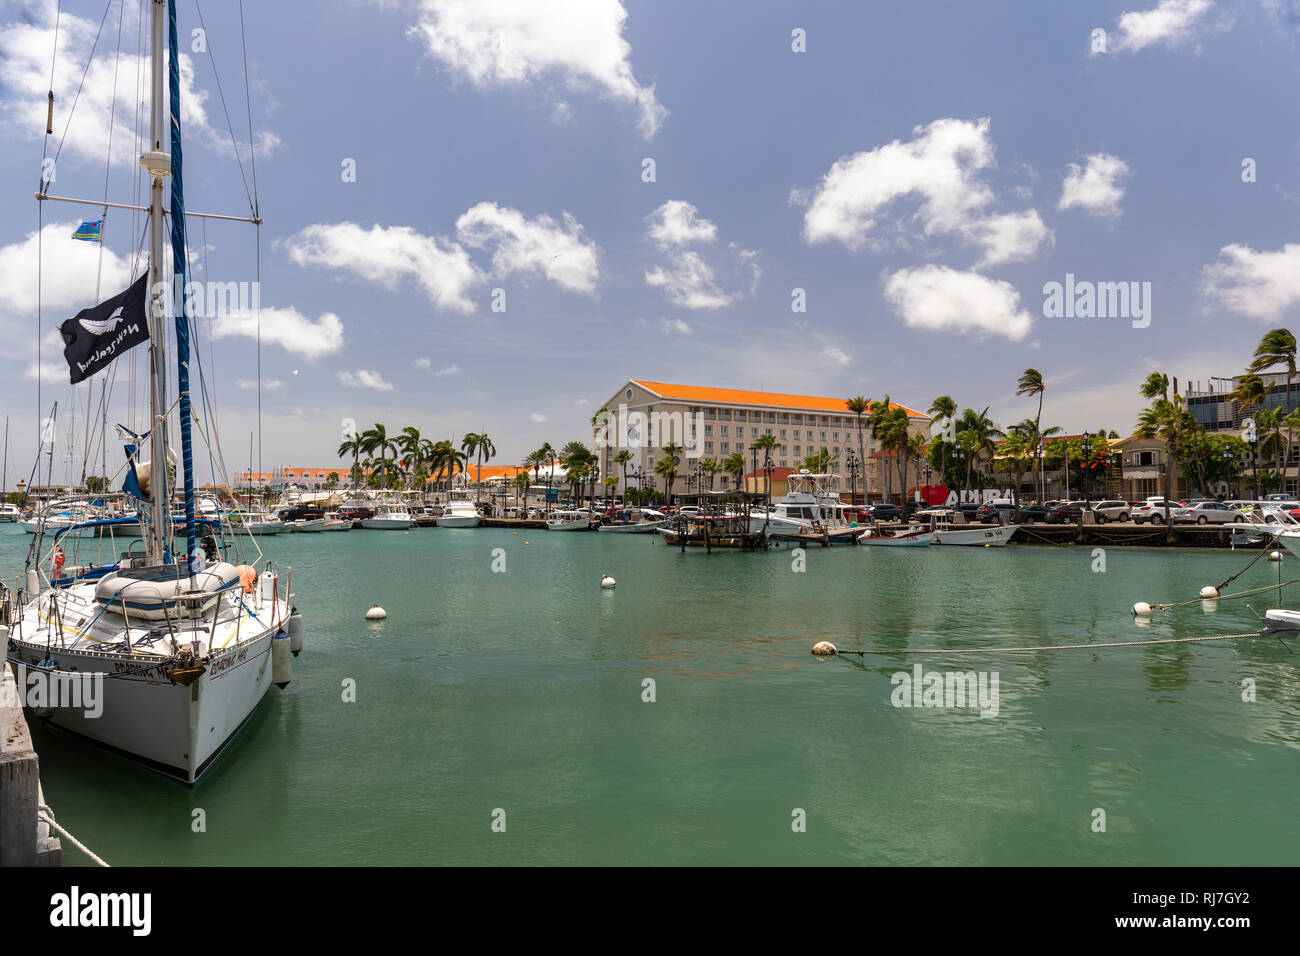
[387, 524]
[170, 727]
[459, 521]
[996, 536]
[641, 527]
[580, 524]
[905, 540]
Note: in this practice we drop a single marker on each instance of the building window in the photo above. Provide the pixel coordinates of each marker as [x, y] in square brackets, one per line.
[797, 451]
[725, 447]
[837, 438]
[629, 394]
[708, 431]
[723, 429]
[708, 448]
[782, 434]
[823, 436]
[810, 436]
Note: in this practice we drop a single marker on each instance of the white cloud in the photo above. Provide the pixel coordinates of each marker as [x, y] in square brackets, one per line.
[538, 418]
[1012, 237]
[1259, 285]
[1170, 23]
[688, 280]
[517, 42]
[837, 355]
[68, 270]
[941, 299]
[365, 378]
[422, 363]
[287, 328]
[26, 47]
[388, 255]
[939, 169]
[562, 114]
[582, 403]
[677, 222]
[448, 370]
[675, 325]
[1096, 187]
[269, 385]
[539, 246]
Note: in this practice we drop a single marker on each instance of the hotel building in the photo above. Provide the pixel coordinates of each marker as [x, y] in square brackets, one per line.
[707, 422]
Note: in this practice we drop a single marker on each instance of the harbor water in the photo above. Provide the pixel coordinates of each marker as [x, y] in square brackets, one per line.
[511, 711]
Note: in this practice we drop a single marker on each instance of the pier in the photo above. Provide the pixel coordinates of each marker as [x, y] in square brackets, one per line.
[25, 839]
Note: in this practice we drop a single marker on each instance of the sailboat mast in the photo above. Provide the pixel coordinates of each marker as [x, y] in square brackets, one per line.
[158, 164]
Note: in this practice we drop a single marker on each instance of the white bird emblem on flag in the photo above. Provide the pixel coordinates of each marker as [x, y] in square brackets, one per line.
[101, 326]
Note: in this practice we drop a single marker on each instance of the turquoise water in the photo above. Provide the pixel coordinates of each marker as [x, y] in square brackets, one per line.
[522, 691]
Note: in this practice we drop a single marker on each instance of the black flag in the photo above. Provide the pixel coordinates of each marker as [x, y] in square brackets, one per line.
[95, 336]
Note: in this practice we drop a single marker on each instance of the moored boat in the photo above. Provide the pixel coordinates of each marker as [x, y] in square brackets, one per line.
[912, 538]
[995, 536]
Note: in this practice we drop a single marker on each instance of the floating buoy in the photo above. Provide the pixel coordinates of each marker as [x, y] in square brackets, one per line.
[1209, 591]
[1275, 555]
[606, 581]
[295, 632]
[515, 533]
[824, 649]
[1141, 609]
[281, 660]
[376, 613]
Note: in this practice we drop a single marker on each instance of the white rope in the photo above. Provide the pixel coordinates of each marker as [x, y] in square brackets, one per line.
[48, 816]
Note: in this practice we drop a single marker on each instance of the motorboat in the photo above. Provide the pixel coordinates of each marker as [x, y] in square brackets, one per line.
[459, 512]
[911, 538]
[387, 517]
[996, 536]
[635, 521]
[569, 521]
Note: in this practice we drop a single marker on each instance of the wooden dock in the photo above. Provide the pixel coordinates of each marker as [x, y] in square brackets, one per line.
[25, 839]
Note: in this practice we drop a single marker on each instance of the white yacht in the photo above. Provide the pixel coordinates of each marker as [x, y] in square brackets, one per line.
[180, 644]
[810, 506]
[635, 521]
[569, 521]
[387, 517]
[10, 513]
[459, 512]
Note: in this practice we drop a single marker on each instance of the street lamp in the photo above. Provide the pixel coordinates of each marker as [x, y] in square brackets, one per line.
[1086, 448]
[767, 475]
[851, 460]
[928, 472]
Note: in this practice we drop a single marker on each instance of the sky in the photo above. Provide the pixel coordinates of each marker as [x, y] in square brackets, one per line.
[487, 215]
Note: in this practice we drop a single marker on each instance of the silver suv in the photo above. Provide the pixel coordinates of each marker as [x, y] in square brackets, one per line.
[1111, 511]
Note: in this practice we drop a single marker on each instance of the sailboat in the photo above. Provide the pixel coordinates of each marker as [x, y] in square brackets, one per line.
[174, 651]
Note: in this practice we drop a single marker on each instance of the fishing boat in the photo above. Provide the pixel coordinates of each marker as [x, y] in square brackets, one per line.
[10, 513]
[569, 521]
[635, 521]
[332, 522]
[911, 538]
[993, 537]
[459, 512]
[387, 517]
[810, 507]
[181, 645]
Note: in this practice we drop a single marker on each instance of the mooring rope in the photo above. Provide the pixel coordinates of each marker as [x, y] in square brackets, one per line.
[1048, 647]
[48, 816]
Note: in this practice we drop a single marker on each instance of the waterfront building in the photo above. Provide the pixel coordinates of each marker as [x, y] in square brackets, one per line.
[643, 416]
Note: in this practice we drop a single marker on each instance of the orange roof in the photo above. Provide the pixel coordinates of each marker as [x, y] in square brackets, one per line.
[494, 471]
[734, 396]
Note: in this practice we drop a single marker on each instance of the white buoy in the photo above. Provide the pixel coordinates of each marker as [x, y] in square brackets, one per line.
[1141, 609]
[824, 649]
[295, 632]
[376, 613]
[1275, 555]
[606, 581]
[281, 660]
[1209, 591]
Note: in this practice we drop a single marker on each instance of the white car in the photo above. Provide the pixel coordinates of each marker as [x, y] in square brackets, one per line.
[1111, 510]
[1153, 510]
[1207, 512]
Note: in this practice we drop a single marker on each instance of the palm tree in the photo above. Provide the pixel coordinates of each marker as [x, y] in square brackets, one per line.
[445, 461]
[623, 459]
[410, 444]
[735, 467]
[377, 440]
[1017, 453]
[353, 446]
[913, 449]
[576, 459]
[521, 489]
[859, 405]
[1278, 347]
[481, 445]
[976, 433]
[1167, 419]
[767, 443]
[710, 467]
[1250, 393]
[671, 454]
[1031, 383]
[942, 407]
[880, 426]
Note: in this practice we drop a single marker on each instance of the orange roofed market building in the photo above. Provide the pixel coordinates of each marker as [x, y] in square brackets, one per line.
[644, 416]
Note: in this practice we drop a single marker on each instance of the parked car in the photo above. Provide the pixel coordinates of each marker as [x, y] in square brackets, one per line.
[1153, 510]
[356, 513]
[1112, 510]
[1031, 513]
[302, 513]
[1067, 512]
[883, 512]
[997, 512]
[1207, 512]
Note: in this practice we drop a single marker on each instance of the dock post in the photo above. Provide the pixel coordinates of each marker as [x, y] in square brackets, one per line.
[20, 785]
